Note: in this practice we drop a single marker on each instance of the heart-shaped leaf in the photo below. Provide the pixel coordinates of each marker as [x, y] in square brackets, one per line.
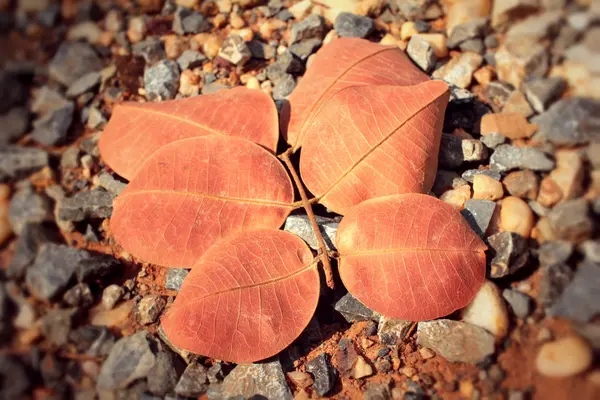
[411, 256]
[373, 141]
[136, 131]
[193, 192]
[342, 63]
[247, 298]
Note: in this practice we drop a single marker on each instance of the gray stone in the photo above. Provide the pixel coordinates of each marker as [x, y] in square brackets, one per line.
[217, 372]
[538, 209]
[86, 83]
[57, 324]
[111, 296]
[473, 45]
[300, 226]
[454, 151]
[413, 9]
[541, 93]
[70, 158]
[79, 295]
[261, 50]
[469, 30]
[353, 310]
[391, 330]
[175, 277]
[507, 157]
[305, 48]
[95, 118]
[580, 300]
[554, 279]
[379, 391]
[165, 373]
[187, 356]
[284, 87]
[110, 183]
[591, 250]
[72, 61]
[309, 28]
[571, 221]
[131, 358]
[96, 266]
[421, 53]
[459, 70]
[95, 203]
[51, 129]
[470, 174]
[26, 206]
[149, 308]
[351, 25]
[187, 20]
[535, 28]
[569, 122]
[555, 252]
[235, 50]
[31, 238]
[456, 341]
[323, 374]
[285, 65]
[510, 253]
[14, 124]
[193, 382]
[151, 49]
[191, 59]
[478, 214]
[460, 95]
[261, 379]
[520, 303]
[161, 80]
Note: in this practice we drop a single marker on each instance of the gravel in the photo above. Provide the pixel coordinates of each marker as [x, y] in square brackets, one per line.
[14, 124]
[520, 303]
[300, 226]
[351, 25]
[353, 310]
[392, 331]
[95, 203]
[151, 49]
[542, 92]
[27, 206]
[309, 28]
[255, 380]
[31, 238]
[235, 50]
[52, 128]
[149, 308]
[165, 373]
[187, 20]
[507, 157]
[478, 214]
[175, 277]
[569, 122]
[580, 300]
[191, 59]
[421, 53]
[323, 374]
[86, 83]
[510, 253]
[571, 221]
[193, 382]
[161, 80]
[72, 61]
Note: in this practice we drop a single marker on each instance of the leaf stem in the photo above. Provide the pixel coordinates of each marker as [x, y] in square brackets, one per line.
[311, 217]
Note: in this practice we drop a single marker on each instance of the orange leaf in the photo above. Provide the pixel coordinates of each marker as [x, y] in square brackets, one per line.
[343, 63]
[247, 298]
[194, 192]
[136, 131]
[410, 256]
[373, 141]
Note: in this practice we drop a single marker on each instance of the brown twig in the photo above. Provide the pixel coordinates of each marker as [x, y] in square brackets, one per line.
[311, 217]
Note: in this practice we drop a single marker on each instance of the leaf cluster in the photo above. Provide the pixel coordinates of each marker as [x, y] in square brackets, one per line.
[208, 192]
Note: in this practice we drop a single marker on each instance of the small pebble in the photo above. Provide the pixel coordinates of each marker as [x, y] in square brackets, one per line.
[516, 216]
[361, 368]
[487, 188]
[488, 310]
[564, 357]
[111, 296]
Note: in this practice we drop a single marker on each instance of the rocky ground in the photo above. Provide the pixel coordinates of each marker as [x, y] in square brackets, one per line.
[520, 157]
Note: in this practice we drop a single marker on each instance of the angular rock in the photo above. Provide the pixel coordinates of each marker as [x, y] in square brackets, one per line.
[493, 140]
[524, 184]
[353, 310]
[569, 122]
[478, 214]
[93, 340]
[571, 221]
[555, 278]
[52, 128]
[473, 46]
[165, 373]
[96, 267]
[95, 203]
[31, 238]
[541, 93]
[151, 49]
[323, 374]
[84, 84]
[284, 87]
[421, 53]
[110, 183]
[111, 296]
[149, 308]
[175, 277]
[555, 252]
[131, 358]
[456, 341]
[517, 62]
[391, 330]
[488, 311]
[264, 51]
[285, 65]
[191, 59]
[193, 382]
[79, 295]
[161, 80]
[470, 174]
[72, 61]
[469, 30]
[309, 28]
[27, 206]
[504, 11]
[351, 25]
[580, 300]
[454, 151]
[14, 124]
[300, 226]
[187, 20]
[507, 157]
[535, 28]
[516, 102]
[305, 48]
[235, 50]
[57, 324]
[459, 70]
[510, 253]
[261, 379]
[520, 303]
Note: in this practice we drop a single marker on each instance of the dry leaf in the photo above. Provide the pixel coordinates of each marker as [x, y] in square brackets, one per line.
[247, 298]
[411, 257]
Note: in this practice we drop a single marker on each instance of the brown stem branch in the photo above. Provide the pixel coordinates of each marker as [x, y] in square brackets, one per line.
[311, 217]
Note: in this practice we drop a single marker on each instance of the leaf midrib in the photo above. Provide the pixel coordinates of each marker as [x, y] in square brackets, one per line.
[172, 116]
[240, 200]
[409, 250]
